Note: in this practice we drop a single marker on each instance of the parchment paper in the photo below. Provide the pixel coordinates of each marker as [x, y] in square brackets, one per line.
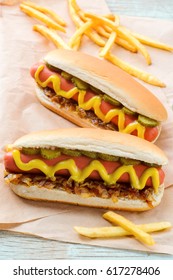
[20, 113]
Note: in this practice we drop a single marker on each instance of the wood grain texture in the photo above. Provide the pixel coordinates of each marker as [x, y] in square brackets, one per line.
[149, 8]
[16, 246]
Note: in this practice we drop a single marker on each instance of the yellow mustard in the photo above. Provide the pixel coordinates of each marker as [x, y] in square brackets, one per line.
[79, 175]
[93, 103]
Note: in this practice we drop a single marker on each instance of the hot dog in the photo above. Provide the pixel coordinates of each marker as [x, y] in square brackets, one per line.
[94, 93]
[81, 166]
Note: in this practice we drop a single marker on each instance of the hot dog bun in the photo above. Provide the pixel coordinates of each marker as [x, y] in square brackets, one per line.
[36, 193]
[109, 79]
[91, 140]
[88, 139]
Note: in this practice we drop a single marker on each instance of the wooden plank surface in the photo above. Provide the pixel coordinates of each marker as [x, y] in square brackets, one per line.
[17, 246]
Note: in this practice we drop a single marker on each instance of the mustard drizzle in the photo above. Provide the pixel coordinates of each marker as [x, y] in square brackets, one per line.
[79, 175]
[94, 103]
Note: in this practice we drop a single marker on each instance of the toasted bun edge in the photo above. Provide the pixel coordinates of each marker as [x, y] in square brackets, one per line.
[43, 194]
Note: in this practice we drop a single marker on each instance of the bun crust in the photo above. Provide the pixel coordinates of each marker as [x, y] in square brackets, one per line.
[71, 116]
[101, 141]
[35, 193]
[109, 79]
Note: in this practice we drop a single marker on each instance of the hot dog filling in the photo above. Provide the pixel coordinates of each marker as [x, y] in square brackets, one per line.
[106, 110]
[84, 175]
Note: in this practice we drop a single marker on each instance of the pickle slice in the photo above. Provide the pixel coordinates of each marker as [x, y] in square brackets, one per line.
[151, 164]
[147, 121]
[50, 154]
[90, 154]
[80, 84]
[73, 153]
[96, 90]
[129, 161]
[128, 111]
[66, 75]
[53, 68]
[111, 100]
[30, 151]
[108, 157]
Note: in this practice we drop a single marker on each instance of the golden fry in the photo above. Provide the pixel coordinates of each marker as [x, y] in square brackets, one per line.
[51, 35]
[42, 17]
[125, 44]
[141, 235]
[92, 34]
[115, 231]
[108, 44]
[144, 76]
[44, 10]
[152, 43]
[124, 33]
[79, 32]
[102, 20]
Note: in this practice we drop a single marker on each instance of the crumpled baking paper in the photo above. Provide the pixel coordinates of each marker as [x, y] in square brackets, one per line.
[20, 113]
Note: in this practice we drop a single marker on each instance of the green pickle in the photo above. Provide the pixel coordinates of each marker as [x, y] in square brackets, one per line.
[128, 111]
[66, 75]
[111, 100]
[129, 161]
[108, 157]
[50, 154]
[90, 154]
[147, 121]
[80, 84]
[53, 68]
[30, 151]
[96, 90]
[73, 153]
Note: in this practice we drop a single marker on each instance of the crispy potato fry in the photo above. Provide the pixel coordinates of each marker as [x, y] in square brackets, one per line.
[102, 20]
[125, 44]
[123, 32]
[42, 17]
[108, 44]
[79, 32]
[152, 43]
[44, 10]
[115, 231]
[51, 35]
[144, 76]
[141, 235]
[92, 34]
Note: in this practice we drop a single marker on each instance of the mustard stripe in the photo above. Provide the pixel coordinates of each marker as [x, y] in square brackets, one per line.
[95, 165]
[93, 103]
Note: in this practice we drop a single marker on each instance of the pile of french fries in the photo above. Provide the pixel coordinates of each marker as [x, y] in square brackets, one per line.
[124, 227]
[105, 31]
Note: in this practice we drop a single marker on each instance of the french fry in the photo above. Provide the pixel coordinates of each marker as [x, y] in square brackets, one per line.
[115, 231]
[142, 75]
[101, 31]
[141, 235]
[125, 44]
[44, 10]
[92, 34]
[51, 35]
[102, 20]
[79, 32]
[42, 17]
[152, 43]
[108, 44]
[123, 32]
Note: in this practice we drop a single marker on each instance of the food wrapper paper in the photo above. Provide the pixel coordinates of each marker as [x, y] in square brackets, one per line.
[20, 113]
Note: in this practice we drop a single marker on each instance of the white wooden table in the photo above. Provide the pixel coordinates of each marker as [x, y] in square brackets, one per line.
[17, 246]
